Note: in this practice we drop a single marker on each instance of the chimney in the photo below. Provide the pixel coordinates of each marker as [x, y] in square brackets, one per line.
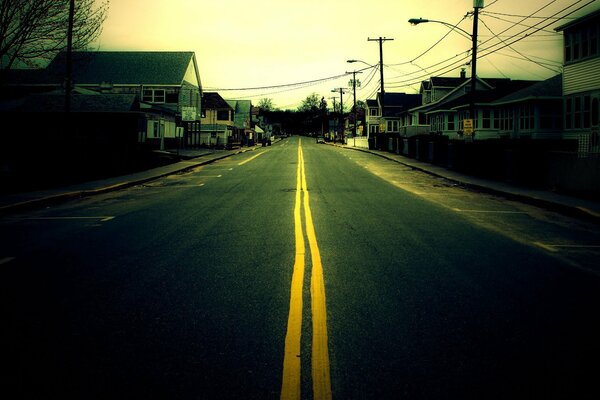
[463, 73]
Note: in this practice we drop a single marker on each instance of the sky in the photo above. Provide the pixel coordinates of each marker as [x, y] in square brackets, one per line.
[279, 48]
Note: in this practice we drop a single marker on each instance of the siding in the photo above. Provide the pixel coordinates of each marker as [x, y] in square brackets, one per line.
[581, 77]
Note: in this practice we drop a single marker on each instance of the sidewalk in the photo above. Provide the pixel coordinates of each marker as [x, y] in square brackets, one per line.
[190, 159]
[572, 206]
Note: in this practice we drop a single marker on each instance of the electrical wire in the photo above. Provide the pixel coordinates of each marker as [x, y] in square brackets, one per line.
[515, 50]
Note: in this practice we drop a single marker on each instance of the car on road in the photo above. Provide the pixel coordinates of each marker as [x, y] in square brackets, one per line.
[320, 139]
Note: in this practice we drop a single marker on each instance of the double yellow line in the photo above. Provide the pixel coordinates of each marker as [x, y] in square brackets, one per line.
[290, 388]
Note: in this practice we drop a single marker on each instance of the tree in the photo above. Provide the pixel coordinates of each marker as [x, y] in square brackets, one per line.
[266, 104]
[311, 103]
[34, 31]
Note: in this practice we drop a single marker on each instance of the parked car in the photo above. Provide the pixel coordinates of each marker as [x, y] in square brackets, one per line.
[320, 139]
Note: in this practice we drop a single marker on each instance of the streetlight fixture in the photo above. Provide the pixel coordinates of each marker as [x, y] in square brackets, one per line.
[477, 4]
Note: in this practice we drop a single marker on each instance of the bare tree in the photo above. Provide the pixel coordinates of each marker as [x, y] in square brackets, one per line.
[34, 31]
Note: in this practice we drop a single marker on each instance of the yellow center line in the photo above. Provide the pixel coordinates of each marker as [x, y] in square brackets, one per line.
[290, 388]
[251, 158]
[320, 354]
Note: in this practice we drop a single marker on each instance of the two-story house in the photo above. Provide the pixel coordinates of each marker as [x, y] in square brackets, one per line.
[581, 81]
[166, 80]
[217, 123]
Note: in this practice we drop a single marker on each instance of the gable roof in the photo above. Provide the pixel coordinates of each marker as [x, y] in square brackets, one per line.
[396, 103]
[550, 88]
[214, 101]
[123, 67]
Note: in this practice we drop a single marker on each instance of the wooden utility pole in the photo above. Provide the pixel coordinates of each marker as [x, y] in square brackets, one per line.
[381, 40]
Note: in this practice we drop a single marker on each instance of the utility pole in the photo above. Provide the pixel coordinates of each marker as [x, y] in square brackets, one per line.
[341, 122]
[381, 40]
[477, 4]
[354, 91]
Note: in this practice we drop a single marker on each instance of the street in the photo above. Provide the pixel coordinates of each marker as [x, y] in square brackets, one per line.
[299, 270]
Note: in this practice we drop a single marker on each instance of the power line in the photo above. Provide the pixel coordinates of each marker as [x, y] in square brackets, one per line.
[315, 81]
[516, 51]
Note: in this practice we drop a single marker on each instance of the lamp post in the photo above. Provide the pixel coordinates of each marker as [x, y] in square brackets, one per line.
[477, 4]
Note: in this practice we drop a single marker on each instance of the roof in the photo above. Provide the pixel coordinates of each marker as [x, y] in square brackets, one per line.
[550, 88]
[443, 81]
[213, 101]
[79, 103]
[486, 96]
[396, 103]
[243, 111]
[123, 67]
[585, 18]
[372, 103]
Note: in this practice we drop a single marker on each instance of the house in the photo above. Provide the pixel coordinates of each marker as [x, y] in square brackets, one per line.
[534, 112]
[372, 117]
[396, 105]
[217, 122]
[104, 134]
[444, 115]
[243, 121]
[438, 87]
[581, 81]
[168, 80]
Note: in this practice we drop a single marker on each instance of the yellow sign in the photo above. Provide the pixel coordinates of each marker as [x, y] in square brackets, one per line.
[468, 127]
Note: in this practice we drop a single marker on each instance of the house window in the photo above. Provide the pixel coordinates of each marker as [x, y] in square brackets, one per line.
[568, 113]
[568, 46]
[526, 120]
[374, 112]
[450, 122]
[587, 106]
[154, 95]
[577, 113]
[223, 115]
[486, 122]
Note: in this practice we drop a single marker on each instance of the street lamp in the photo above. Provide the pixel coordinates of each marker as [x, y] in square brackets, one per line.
[477, 4]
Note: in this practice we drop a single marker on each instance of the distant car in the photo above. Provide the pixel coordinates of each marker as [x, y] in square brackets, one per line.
[320, 139]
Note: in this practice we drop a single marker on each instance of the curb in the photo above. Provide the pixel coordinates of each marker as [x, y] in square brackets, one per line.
[62, 197]
[576, 212]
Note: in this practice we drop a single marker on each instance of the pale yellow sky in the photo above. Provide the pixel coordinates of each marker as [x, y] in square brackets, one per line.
[258, 43]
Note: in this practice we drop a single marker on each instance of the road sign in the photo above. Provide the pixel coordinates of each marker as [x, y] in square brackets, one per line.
[188, 113]
[468, 127]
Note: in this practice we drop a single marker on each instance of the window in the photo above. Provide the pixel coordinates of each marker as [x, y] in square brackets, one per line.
[223, 115]
[568, 46]
[581, 42]
[374, 112]
[587, 105]
[568, 113]
[595, 112]
[486, 122]
[526, 118]
[450, 122]
[577, 113]
[154, 95]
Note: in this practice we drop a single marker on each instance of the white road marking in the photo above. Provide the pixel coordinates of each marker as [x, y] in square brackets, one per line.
[489, 211]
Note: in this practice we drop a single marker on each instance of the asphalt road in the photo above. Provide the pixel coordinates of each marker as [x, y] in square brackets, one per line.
[406, 287]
